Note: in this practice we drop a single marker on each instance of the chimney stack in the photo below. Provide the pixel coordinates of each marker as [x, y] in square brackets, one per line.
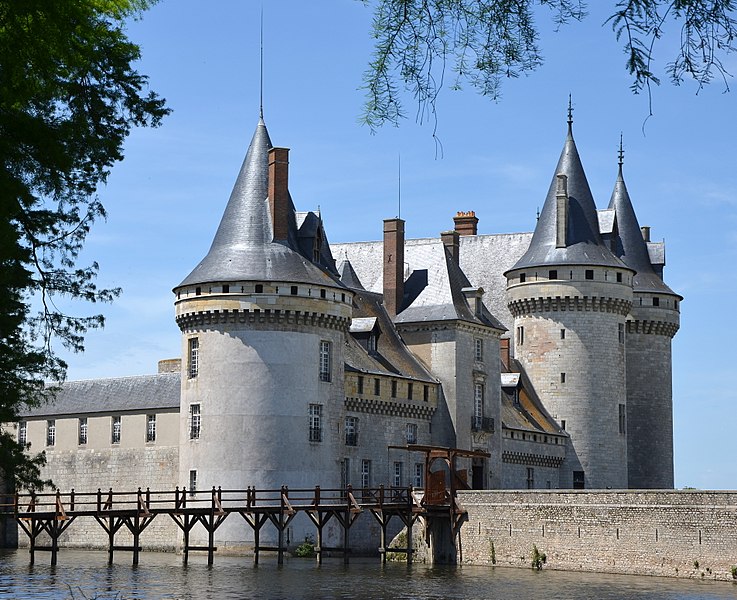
[645, 233]
[504, 352]
[561, 212]
[466, 223]
[393, 265]
[451, 243]
[279, 191]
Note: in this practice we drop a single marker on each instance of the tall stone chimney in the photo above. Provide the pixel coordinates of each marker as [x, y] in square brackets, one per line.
[278, 191]
[466, 223]
[393, 265]
[645, 230]
[504, 352]
[451, 244]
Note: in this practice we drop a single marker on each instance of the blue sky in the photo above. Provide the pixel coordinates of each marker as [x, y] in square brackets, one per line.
[166, 198]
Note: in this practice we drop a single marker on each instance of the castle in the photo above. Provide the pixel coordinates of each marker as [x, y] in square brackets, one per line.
[308, 363]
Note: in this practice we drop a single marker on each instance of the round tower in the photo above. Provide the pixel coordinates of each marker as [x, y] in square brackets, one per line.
[262, 341]
[651, 324]
[569, 296]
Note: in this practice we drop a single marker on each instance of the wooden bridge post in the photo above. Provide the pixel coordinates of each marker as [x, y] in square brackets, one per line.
[211, 530]
[319, 524]
[347, 524]
[280, 543]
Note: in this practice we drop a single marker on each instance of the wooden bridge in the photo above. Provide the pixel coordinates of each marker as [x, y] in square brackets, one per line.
[53, 513]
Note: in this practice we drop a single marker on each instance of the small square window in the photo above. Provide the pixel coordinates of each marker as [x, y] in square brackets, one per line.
[294, 290]
[259, 288]
[322, 293]
[226, 288]
[553, 274]
[656, 301]
[589, 273]
[619, 278]
[522, 277]
[198, 291]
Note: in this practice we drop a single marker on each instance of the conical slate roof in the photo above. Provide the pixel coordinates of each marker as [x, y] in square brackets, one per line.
[243, 248]
[629, 244]
[348, 276]
[584, 245]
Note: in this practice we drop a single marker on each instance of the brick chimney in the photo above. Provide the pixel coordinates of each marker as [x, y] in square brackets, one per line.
[504, 352]
[279, 191]
[451, 244]
[466, 223]
[393, 265]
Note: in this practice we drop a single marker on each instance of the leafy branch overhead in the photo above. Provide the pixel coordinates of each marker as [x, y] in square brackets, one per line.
[423, 45]
[69, 96]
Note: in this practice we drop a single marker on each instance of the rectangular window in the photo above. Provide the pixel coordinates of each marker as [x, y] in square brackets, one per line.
[398, 473]
[621, 333]
[23, 433]
[324, 361]
[226, 288]
[315, 420]
[351, 431]
[419, 474]
[410, 391]
[345, 473]
[522, 277]
[622, 418]
[360, 384]
[478, 406]
[589, 274]
[116, 430]
[656, 301]
[479, 349]
[425, 393]
[365, 473]
[82, 431]
[579, 481]
[562, 334]
[619, 278]
[394, 388]
[553, 274]
[194, 350]
[377, 387]
[150, 428]
[192, 482]
[563, 424]
[411, 433]
[520, 335]
[51, 432]
[562, 377]
[195, 421]
[530, 478]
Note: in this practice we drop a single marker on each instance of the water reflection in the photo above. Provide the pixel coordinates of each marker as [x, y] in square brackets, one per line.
[163, 577]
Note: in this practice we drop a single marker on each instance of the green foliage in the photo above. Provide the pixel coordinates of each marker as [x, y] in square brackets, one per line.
[733, 570]
[306, 549]
[696, 564]
[418, 43]
[69, 96]
[538, 558]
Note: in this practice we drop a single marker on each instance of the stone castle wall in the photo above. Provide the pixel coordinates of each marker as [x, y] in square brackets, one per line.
[689, 534]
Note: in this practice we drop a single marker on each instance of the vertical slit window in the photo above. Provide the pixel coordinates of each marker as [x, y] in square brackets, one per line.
[324, 361]
[82, 431]
[479, 349]
[117, 429]
[51, 432]
[398, 473]
[23, 433]
[194, 357]
[365, 473]
[151, 428]
[195, 421]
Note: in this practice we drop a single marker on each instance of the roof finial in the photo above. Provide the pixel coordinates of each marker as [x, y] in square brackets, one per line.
[621, 151]
[261, 72]
[570, 115]
[399, 185]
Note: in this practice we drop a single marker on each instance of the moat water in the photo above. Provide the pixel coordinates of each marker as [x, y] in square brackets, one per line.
[86, 575]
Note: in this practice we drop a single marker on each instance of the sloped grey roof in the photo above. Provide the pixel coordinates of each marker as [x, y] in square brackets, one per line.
[348, 276]
[629, 244]
[120, 394]
[584, 245]
[243, 247]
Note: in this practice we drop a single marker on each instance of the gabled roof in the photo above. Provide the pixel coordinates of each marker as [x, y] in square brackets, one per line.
[628, 243]
[528, 412]
[119, 394]
[243, 247]
[584, 245]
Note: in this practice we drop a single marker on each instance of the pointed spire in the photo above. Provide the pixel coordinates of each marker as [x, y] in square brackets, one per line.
[348, 276]
[261, 70]
[629, 244]
[583, 243]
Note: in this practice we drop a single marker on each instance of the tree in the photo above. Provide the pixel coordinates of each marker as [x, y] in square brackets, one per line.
[69, 96]
[484, 41]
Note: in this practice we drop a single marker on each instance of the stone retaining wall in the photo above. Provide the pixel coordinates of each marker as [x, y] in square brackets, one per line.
[690, 534]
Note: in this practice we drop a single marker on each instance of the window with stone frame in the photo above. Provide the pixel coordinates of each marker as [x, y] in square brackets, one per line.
[51, 432]
[193, 357]
[621, 333]
[478, 349]
[530, 478]
[83, 428]
[478, 406]
[351, 431]
[150, 428]
[398, 474]
[359, 385]
[419, 475]
[315, 422]
[411, 433]
[116, 429]
[325, 360]
[195, 422]
[345, 473]
[22, 433]
[192, 482]
[365, 473]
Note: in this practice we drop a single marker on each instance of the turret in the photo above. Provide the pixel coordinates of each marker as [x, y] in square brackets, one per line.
[262, 340]
[650, 326]
[569, 296]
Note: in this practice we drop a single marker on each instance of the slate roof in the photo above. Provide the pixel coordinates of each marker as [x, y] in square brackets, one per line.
[243, 247]
[119, 394]
[628, 243]
[584, 245]
[529, 413]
